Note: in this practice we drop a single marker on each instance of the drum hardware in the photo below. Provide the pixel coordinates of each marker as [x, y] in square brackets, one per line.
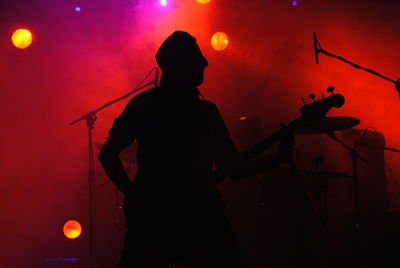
[354, 155]
[328, 125]
[319, 186]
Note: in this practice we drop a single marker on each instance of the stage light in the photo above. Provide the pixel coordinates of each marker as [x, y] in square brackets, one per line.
[77, 9]
[203, 1]
[21, 38]
[219, 41]
[72, 229]
[295, 3]
[163, 2]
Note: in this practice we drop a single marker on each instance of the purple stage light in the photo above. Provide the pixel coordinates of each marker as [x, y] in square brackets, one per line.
[77, 9]
[60, 260]
[295, 3]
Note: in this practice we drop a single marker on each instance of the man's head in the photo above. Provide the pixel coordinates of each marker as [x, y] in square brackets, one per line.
[181, 60]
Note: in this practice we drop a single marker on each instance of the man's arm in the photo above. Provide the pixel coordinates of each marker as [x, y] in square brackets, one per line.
[109, 159]
[121, 135]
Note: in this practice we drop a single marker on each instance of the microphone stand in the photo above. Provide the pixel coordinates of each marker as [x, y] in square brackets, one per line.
[318, 49]
[90, 119]
[354, 156]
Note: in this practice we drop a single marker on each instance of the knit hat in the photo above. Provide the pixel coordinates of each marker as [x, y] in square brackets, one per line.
[179, 49]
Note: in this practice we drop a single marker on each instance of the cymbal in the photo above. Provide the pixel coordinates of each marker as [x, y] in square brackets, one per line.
[327, 124]
[127, 155]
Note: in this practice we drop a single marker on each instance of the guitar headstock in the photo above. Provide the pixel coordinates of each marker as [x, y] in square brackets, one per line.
[319, 109]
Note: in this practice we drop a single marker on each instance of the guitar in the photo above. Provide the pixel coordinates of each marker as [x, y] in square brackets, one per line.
[312, 111]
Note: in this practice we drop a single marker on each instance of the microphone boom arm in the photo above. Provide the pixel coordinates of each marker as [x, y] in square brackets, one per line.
[91, 114]
[319, 49]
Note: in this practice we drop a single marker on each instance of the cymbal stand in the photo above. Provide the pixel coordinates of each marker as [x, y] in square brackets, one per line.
[90, 119]
[322, 203]
[354, 156]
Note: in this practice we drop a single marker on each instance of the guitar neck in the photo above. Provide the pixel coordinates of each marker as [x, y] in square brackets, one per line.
[272, 139]
[262, 146]
[311, 111]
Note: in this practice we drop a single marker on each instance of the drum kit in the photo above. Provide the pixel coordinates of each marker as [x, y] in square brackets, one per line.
[320, 178]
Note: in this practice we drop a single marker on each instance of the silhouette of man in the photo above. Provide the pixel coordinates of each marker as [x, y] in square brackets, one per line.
[173, 209]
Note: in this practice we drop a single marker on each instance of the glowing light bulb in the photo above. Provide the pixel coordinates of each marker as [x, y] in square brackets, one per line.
[163, 2]
[219, 41]
[77, 9]
[22, 38]
[72, 229]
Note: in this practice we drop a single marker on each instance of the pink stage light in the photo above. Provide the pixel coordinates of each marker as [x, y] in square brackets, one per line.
[163, 2]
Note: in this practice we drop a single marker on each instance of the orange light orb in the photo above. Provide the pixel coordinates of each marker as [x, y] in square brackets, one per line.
[219, 41]
[72, 229]
[22, 38]
[203, 1]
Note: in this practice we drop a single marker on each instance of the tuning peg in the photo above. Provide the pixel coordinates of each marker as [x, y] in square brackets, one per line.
[312, 96]
[330, 90]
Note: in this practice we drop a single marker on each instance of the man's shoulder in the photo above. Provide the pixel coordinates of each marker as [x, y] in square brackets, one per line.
[147, 95]
[209, 106]
[143, 98]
